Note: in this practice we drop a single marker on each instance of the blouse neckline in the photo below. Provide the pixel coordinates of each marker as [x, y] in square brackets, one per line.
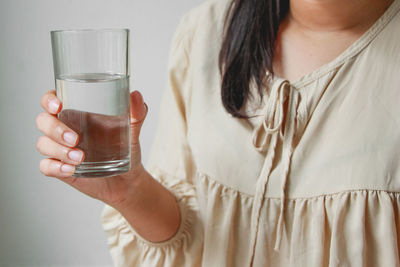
[355, 48]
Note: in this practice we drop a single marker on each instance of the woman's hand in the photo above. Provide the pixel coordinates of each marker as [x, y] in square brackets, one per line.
[150, 209]
[59, 144]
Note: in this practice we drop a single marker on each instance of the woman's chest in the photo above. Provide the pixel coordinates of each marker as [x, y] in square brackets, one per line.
[348, 141]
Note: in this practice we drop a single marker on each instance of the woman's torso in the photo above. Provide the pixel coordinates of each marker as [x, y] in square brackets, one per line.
[342, 191]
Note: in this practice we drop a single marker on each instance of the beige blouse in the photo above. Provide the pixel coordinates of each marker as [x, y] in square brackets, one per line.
[317, 184]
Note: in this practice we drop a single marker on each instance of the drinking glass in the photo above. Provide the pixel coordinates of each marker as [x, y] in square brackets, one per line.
[91, 69]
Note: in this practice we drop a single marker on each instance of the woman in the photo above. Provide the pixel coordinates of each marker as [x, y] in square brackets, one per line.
[277, 144]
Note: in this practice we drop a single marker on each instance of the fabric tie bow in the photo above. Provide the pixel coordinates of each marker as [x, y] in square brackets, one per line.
[275, 126]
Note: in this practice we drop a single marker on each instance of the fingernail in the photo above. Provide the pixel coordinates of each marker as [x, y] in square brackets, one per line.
[66, 168]
[70, 138]
[134, 120]
[75, 155]
[54, 105]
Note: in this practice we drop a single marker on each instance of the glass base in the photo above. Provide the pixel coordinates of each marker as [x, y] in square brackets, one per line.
[102, 169]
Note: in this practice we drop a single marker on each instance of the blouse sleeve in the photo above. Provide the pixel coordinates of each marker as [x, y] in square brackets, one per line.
[172, 165]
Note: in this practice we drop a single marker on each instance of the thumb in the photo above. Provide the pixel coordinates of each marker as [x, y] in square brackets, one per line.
[138, 114]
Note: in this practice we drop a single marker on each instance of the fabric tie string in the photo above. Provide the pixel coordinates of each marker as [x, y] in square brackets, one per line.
[265, 139]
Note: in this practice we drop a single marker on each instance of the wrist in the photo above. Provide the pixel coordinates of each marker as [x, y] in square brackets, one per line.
[150, 209]
[135, 184]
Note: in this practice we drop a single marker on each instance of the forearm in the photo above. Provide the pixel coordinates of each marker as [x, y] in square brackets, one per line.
[151, 209]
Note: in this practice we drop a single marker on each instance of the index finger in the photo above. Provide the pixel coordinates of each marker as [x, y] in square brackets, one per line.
[51, 103]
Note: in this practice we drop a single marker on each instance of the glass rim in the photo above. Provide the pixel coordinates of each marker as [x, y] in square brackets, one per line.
[91, 30]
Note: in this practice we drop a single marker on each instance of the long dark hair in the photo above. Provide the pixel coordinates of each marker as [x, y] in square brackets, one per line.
[248, 47]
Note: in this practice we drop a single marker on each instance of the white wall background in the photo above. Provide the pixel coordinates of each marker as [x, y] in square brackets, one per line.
[43, 222]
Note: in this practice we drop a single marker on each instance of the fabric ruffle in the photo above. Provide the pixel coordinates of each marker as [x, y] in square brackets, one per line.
[127, 246]
[356, 228]
[348, 228]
